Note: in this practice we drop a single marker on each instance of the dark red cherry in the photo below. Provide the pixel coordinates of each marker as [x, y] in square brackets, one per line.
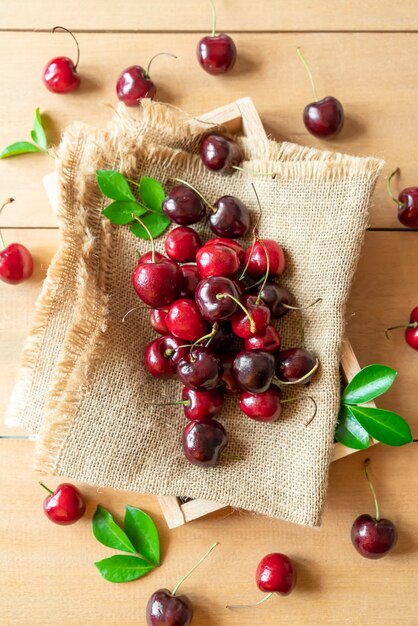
[324, 118]
[262, 407]
[296, 365]
[217, 260]
[184, 320]
[276, 574]
[182, 243]
[260, 314]
[219, 153]
[216, 298]
[147, 257]
[162, 356]
[231, 218]
[65, 505]
[373, 538]
[133, 84]
[257, 264]
[203, 441]
[201, 404]
[229, 382]
[408, 207]
[60, 74]
[229, 243]
[16, 263]
[158, 284]
[191, 278]
[157, 319]
[269, 340]
[223, 338]
[274, 297]
[411, 333]
[200, 369]
[216, 54]
[184, 206]
[166, 609]
[254, 370]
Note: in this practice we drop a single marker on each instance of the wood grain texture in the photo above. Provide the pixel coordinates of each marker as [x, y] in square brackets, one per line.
[353, 67]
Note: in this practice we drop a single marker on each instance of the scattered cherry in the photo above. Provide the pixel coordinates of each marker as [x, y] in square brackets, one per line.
[162, 356]
[191, 278]
[200, 370]
[203, 441]
[182, 244]
[296, 365]
[158, 283]
[134, 83]
[220, 154]
[276, 298]
[201, 405]
[184, 320]
[184, 206]
[216, 53]
[254, 370]
[256, 261]
[407, 203]
[411, 329]
[60, 74]
[65, 505]
[230, 219]
[268, 340]
[157, 320]
[217, 260]
[16, 263]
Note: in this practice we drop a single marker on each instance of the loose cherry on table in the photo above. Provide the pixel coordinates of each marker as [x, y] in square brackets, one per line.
[407, 203]
[295, 366]
[135, 83]
[216, 53]
[203, 441]
[325, 117]
[184, 206]
[65, 505]
[262, 407]
[373, 537]
[162, 356]
[16, 263]
[200, 369]
[60, 74]
[182, 243]
[254, 370]
[184, 320]
[220, 154]
[258, 264]
[411, 329]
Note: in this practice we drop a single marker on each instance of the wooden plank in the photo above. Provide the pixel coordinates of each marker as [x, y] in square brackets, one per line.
[347, 65]
[195, 15]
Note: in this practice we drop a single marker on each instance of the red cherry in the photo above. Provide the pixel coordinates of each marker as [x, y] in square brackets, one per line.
[157, 319]
[229, 243]
[200, 370]
[166, 609]
[158, 284]
[147, 257]
[191, 278]
[60, 74]
[217, 260]
[407, 203]
[216, 53]
[16, 263]
[257, 264]
[134, 83]
[241, 323]
[184, 320]
[203, 441]
[65, 505]
[411, 333]
[182, 244]
[201, 404]
[262, 407]
[276, 574]
[268, 340]
[162, 356]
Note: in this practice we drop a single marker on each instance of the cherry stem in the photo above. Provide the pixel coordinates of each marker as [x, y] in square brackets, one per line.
[135, 217]
[169, 54]
[174, 402]
[263, 284]
[184, 182]
[209, 336]
[219, 296]
[411, 325]
[388, 186]
[308, 69]
[8, 201]
[253, 173]
[248, 606]
[212, 4]
[299, 380]
[376, 504]
[47, 488]
[301, 308]
[181, 581]
[249, 259]
[15, 437]
[76, 42]
[288, 400]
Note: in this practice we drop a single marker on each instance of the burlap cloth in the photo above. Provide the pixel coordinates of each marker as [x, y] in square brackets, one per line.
[82, 387]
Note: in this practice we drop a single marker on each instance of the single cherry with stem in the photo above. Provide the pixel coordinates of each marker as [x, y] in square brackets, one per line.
[60, 74]
[322, 118]
[254, 370]
[407, 203]
[65, 505]
[135, 83]
[166, 608]
[373, 537]
[411, 329]
[162, 356]
[16, 263]
[200, 370]
[184, 205]
[220, 154]
[216, 53]
[295, 366]
[212, 307]
[198, 405]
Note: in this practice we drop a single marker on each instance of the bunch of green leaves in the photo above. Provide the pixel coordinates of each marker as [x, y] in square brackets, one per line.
[357, 423]
[139, 537]
[126, 208]
[23, 147]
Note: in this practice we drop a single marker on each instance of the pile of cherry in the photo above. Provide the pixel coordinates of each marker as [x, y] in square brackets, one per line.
[205, 299]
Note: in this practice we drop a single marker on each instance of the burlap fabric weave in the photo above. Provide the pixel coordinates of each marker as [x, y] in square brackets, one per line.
[82, 387]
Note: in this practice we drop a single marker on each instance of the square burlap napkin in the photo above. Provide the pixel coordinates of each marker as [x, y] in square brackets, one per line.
[83, 387]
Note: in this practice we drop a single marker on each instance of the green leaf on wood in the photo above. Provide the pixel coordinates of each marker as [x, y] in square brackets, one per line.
[122, 568]
[385, 426]
[152, 193]
[109, 533]
[20, 147]
[38, 133]
[349, 432]
[120, 212]
[155, 222]
[368, 384]
[143, 534]
[114, 185]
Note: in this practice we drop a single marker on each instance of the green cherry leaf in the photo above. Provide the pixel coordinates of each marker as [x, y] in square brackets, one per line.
[114, 185]
[368, 384]
[385, 426]
[155, 222]
[109, 533]
[349, 432]
[143, 534]
[152, 193]
[122, 568]
[38, 132]
[119, 212]
[20, 147]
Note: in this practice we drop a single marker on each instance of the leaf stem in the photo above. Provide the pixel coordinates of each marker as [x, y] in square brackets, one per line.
[76, 42]
[247, 606]
[184, 182]
[308, 69]
[169, 54]
[138, 219]
[219, 296]
[8, 201]
[376, 504]
[212, 4]
[181, 581]
[388, 187]
[47, 488]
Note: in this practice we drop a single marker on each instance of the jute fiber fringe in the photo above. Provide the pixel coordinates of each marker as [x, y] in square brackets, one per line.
[83, 387]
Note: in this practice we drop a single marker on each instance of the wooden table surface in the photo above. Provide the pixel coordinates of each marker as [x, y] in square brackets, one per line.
[365, 53]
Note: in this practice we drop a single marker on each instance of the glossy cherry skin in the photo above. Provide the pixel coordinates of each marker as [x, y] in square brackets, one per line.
[371, 538]
[254, 370]
[217, 260]
[200, 370]
[164, 609]
[408, 207]
[147, 257]
[184, 206]
[182, 244]
[184, 320]
[201, 404]
[262, 407]
[231, 218]
[229, 382]
[257, 264]
[216, 298]
[191, 278]
[134, 84]
[411, 334]
[229, 243]
[223, 338]
[219, 154]
[276, 573]
[260, 314]
[60, 75]
[216, 53]
[157, 320]
[269, 340]
[324, 118]
[158, 284]
[294, 364]
[274, 297]
[162, 356]
[16, 264]
[203, 441]
[65, 506]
